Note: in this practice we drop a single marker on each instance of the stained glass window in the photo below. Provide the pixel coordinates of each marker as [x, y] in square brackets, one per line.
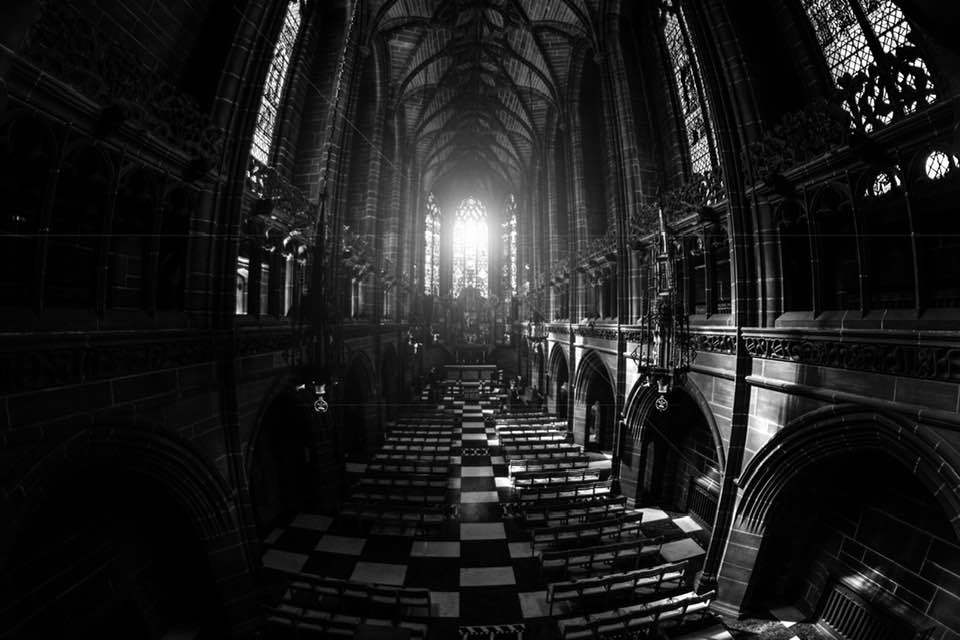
[470, 247]
[510, 248]
[938, 164]
[686, 76]
[431, 245]
[854, 35]
[274, 84]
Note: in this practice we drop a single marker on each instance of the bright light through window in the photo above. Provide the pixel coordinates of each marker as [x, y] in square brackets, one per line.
[470, 247]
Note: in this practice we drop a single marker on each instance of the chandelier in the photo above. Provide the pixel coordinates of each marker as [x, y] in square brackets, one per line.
[664, 350]
[536, 333]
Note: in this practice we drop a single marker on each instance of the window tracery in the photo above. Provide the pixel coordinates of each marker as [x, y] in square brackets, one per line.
[869, 49]
[431, 244]
[274, 84]
[510, 248]
[470, 248]
[689, 88]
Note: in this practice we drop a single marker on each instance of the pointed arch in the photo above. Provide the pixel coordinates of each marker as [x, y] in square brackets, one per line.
[589, 365]
[834, 430]
[640, 402]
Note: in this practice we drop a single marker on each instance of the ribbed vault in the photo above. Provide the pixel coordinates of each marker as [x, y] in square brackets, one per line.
[477, 80]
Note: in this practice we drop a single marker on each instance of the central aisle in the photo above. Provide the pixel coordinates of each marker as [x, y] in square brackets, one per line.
[433, 511]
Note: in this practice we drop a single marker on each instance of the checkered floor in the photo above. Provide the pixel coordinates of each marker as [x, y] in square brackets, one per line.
[479, 567]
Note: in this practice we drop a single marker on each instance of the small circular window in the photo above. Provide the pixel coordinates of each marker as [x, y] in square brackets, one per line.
[937, 165]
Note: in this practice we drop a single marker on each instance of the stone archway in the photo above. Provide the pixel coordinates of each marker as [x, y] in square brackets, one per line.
[595, 408]
[559, 377]
[672, 459]
[360, 429]
[391, 383]
[847, 504]
[126, 532]
[281, 467]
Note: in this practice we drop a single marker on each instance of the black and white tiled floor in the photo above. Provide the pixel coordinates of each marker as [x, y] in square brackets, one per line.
[479, 567]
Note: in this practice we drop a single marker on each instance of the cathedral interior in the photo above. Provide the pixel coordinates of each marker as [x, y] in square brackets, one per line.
[480, 319]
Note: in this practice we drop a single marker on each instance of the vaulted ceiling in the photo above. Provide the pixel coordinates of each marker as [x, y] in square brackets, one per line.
[478, 81]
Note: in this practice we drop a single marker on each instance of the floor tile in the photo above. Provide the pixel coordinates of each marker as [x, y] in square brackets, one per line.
[520, 550]
[341, 544]
[272, 537]
[473, 497]
[533, 604]
[284, 560]
[331, 565]
[476, 472]
[445, 604]
[387, 548]
[484, 553]
[478, 484]
[313, 521]
[652, 515]
[503, 483]
[486, 576]
[489, 606]
[298, 540]
[356, 467]
[379, 573]
[717, 632]
[482, 531]
[433, 573]
[680, 550]
[687, 523]
[481, 512]
[454, 483]
[435, 549]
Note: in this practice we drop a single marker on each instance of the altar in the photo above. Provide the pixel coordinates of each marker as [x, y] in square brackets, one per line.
[470, 372]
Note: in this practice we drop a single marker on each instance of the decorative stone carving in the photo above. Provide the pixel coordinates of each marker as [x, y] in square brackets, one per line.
[798, 138]
[932, 362]
[715, 343]
[68, 46]
[596, 332]
[90, 362]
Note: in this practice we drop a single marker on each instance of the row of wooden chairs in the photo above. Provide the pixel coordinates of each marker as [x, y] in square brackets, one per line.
[563, 491]
[396, 457]
[406, 466]
[544, 450]
[646, 620]
[624, 525]
[319, 607]
[627, 585]
[521, 465]
[397, 496]
[434, 449]
[533, 478]
[436, 482]
[565, 512]
[632, 554]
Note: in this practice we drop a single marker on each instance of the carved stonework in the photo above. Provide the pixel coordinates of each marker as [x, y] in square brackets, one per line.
[933, 362]
[31, 369]
[68, 46]
[559, 329]
[596, 332]
[714, 343]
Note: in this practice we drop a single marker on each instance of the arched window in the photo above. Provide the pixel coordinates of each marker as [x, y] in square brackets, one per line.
[870, 53]
[431, 248]
[689, 87]
[510, 248]
[274, 85]
[470, 247]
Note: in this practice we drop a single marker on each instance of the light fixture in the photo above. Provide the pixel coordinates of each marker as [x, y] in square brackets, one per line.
[664, 351]
[319, 390]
